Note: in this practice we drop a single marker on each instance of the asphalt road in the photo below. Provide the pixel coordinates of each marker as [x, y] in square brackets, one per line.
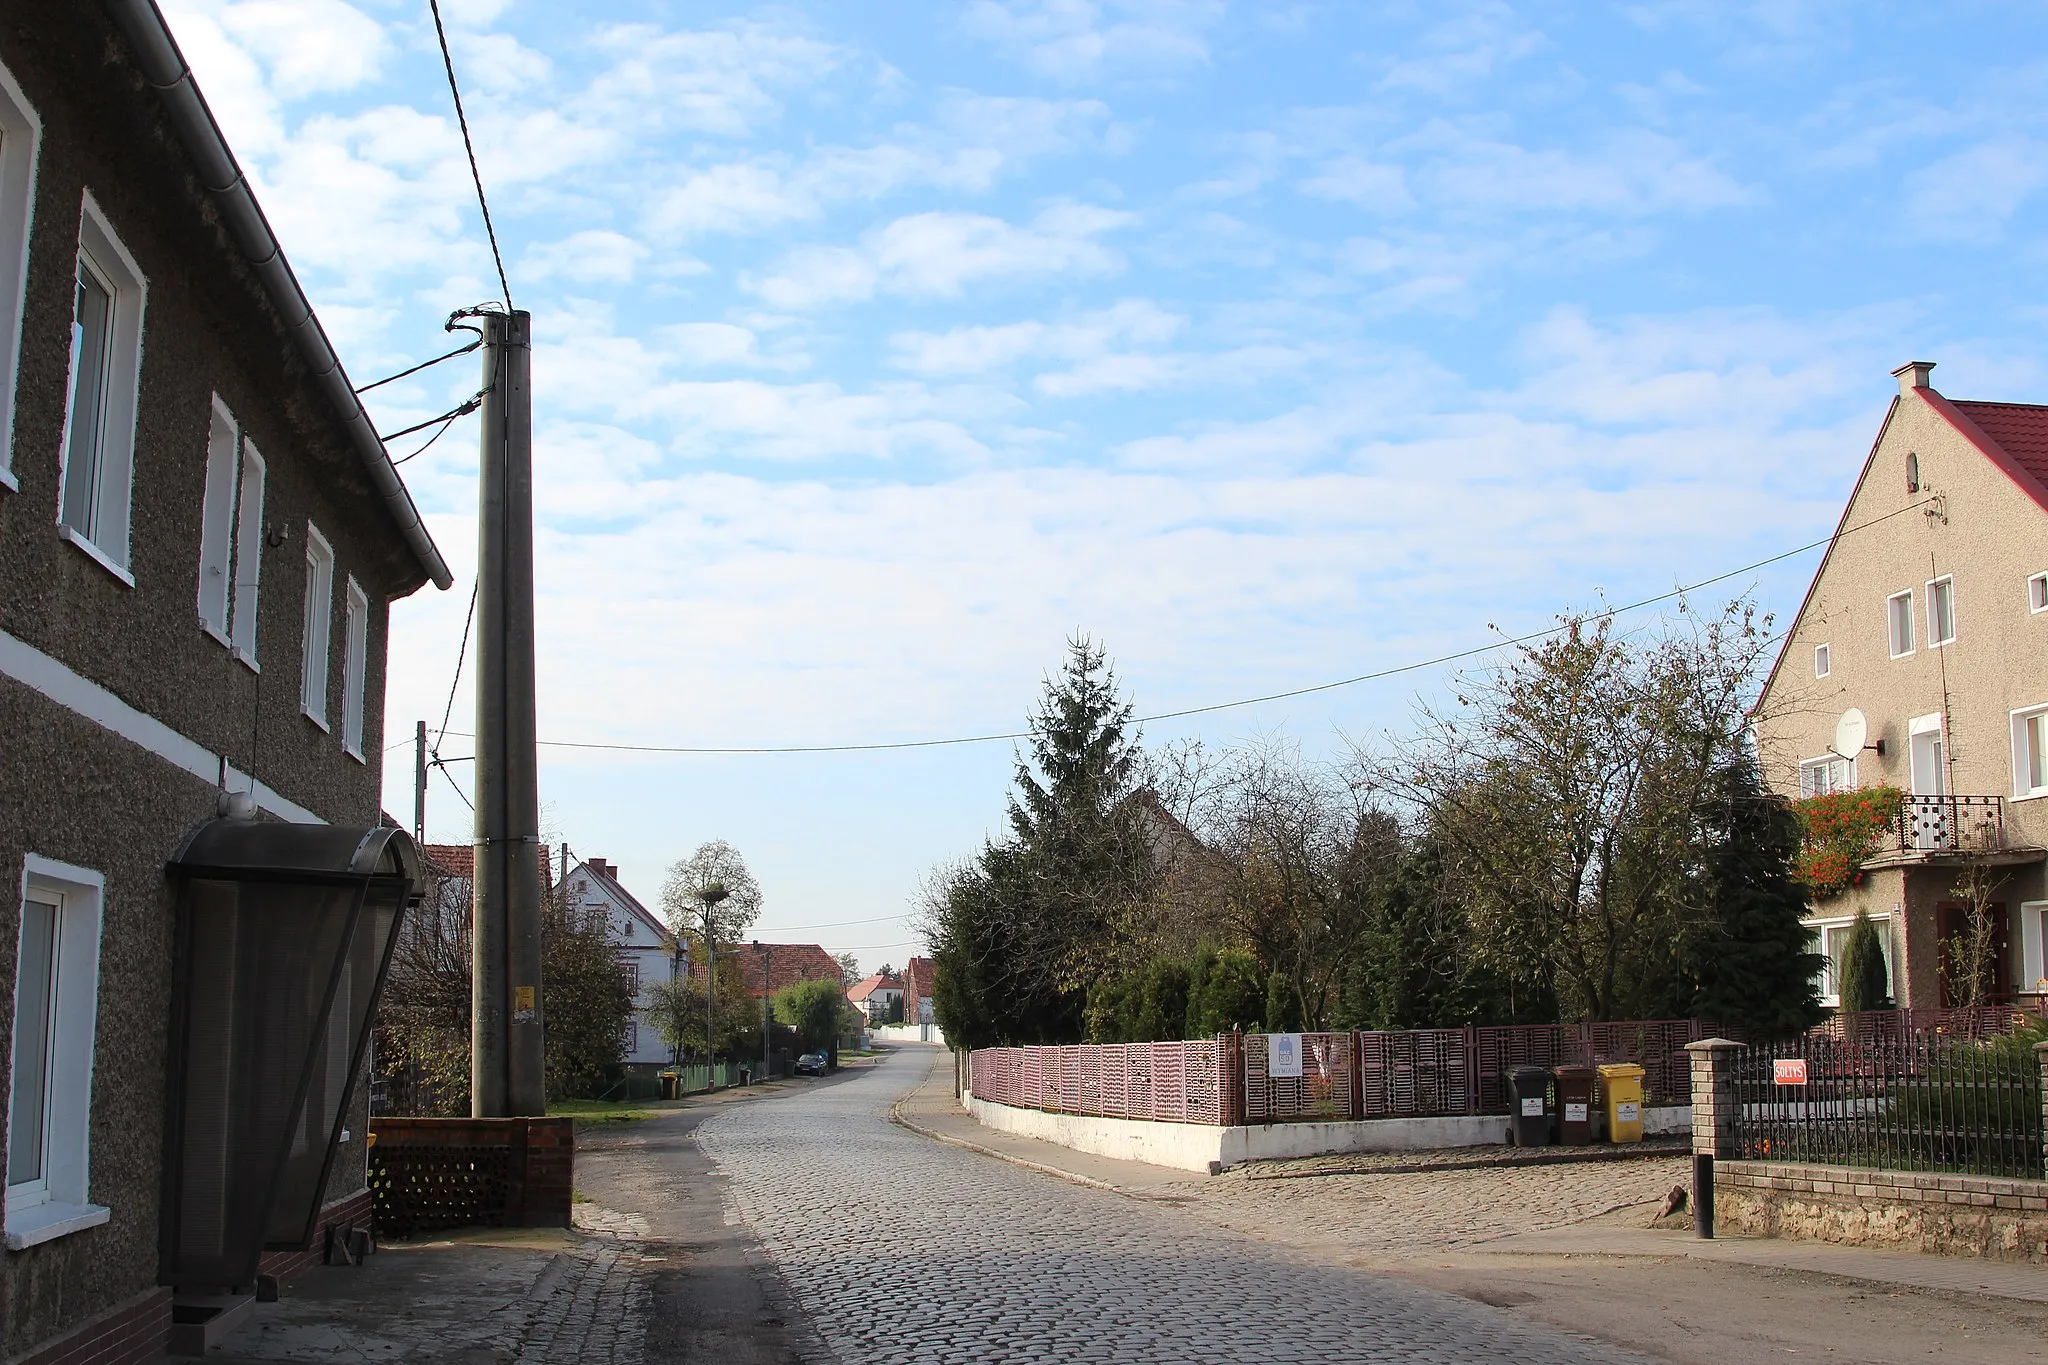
[894, 1248]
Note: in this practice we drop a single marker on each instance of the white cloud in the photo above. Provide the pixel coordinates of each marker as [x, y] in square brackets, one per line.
[1378, 188]
[1078, 40]
[592, 256]
[1628, 172]
[308, 46]
[977, 350]
[1971, 195]
[724, 81]
[936, 255]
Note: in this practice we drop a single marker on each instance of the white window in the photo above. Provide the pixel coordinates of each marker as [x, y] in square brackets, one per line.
[2037, 592]
[1821, 665]
[1832, 773]
[1899, 616]
[319, 614]
[49, 1099]
[1941, 611]
[2030, 752]
[21, 135]
[2034, 946]
[99, 421]
[355, 666]
[231, 537]
[1831, 939]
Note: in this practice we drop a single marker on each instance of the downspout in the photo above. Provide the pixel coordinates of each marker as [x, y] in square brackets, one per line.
[156, 52]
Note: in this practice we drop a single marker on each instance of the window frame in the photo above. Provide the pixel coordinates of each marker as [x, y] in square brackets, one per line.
[245, 597]
[1821, 926]
[2037, 594]
[1891, 624]
[1946, 581]
[21, 146]
[2033, 945]
[100, 250]
[1823, 661]
[355, 655]
[1826, 763]
[2035, 784]
[217, 522]
[59, 1202]
[316, 627]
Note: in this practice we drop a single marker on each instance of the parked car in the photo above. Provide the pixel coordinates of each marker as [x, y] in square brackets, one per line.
[811, 1064]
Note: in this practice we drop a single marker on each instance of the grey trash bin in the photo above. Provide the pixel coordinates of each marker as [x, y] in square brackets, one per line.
[1529, 1101]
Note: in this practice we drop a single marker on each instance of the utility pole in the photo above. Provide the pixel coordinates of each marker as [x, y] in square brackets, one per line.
[506, 1066]
[767, 955]
[419, 782]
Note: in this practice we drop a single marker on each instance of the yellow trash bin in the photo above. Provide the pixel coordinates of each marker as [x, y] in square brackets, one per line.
[1622, 1083]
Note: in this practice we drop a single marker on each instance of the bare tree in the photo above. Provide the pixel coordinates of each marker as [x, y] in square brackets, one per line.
[1969, 957]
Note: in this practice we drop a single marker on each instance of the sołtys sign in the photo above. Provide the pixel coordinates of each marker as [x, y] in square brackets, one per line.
[1789, 1071]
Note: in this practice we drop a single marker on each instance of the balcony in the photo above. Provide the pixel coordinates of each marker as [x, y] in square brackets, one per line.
[1943, 829]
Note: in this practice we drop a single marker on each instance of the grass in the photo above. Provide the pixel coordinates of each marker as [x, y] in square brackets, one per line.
[599, 1113]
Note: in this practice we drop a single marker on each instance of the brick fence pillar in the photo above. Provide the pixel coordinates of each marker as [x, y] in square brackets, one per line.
[1713, 1097]
[2041, 1057]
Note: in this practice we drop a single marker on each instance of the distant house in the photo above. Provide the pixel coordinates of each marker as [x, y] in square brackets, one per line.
[787, 964]
[645, 945]
[876, 997]
[918, 978]
[1928, 619]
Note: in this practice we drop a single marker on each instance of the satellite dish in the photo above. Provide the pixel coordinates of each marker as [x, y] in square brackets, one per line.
[1850, 733]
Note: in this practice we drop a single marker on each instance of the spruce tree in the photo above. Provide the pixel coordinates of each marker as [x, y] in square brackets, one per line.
[1756, 965]
[1865, 983]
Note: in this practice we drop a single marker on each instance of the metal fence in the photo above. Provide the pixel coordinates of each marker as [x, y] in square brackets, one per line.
[1902, 1101]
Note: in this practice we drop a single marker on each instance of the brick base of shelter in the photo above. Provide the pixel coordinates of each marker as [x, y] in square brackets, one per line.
[1949, 1215]
[352, 1212]
[126, 1334]
[427, 1174]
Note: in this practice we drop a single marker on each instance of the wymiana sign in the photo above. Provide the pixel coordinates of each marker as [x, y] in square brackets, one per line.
[1283, 1055]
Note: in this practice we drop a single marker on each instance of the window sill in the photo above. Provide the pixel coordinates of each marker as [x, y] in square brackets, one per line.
[97, 555]
[325, 729]
[2033, 796]
[357, 757]
[7, 480]
[47, 1222]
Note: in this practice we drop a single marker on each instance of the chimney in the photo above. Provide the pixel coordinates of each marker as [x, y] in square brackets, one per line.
[1913, 375]
[600, 865]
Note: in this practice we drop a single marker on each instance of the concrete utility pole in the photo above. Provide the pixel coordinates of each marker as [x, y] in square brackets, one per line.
[419, 782]
[708, 897]
[766, 955]
[506, 1067]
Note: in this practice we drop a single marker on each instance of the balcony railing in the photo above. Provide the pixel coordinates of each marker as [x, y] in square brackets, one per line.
[1949, 824]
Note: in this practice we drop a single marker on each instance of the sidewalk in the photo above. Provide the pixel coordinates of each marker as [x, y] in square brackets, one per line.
[932, 1110]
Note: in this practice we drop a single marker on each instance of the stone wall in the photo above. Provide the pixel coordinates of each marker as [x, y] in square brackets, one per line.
[1948, 1215]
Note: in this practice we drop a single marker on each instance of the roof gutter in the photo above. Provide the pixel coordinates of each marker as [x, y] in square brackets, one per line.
[164, 67]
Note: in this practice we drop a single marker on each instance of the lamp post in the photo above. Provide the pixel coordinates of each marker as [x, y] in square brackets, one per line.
[709, 896]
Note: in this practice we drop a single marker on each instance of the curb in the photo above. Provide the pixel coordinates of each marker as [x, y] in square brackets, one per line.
[896, 1116]
[1578, 1156]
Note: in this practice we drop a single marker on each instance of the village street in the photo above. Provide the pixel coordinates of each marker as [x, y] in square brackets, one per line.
[887, 1246]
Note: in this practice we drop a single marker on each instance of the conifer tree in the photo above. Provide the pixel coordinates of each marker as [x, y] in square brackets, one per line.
[1756, 966]
[1865, 983]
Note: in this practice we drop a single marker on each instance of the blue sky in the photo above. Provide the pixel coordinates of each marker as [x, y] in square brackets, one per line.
[880, 347]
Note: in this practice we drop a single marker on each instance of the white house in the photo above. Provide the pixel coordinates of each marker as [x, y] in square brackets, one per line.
[645, 944]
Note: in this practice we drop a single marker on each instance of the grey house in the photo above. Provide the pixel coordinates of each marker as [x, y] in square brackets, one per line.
[200, 537]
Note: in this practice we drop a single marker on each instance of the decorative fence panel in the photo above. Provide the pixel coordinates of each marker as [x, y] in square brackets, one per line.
[1499, 1050]
[1416, 1073]
[1918, 1101]
[1325, 1091]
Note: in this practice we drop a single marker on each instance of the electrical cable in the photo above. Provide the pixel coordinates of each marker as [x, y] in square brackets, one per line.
[475, 175]
[394, 378]
[469, 405]
[1374, 676]
[446, 423]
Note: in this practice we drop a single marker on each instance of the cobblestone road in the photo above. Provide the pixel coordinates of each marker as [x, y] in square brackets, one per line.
[907, 1251]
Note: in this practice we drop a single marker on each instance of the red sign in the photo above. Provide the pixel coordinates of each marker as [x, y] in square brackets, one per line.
[1792, 1072]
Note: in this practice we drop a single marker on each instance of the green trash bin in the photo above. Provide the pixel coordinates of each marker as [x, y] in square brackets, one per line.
[1529, 1106]
[668, 1084]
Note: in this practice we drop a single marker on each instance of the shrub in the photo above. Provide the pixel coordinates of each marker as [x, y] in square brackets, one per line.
[1864, 981]
[1841, 829]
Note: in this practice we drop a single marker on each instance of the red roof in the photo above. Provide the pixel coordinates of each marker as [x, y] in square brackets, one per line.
[459, 861]
[2013, 435]
[918, 977]
[877, 982]
[788, 963]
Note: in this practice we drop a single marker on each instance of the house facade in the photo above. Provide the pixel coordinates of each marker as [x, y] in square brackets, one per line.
[200, 537]
[1928, 620]
[876, 997]
[645, 945]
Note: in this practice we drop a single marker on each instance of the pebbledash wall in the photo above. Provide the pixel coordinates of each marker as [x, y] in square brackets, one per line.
[1951, 1215]
[121, 714]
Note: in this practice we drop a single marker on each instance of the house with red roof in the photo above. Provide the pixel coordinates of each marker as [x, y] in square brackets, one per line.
[876, 996]
[644, 943]
[918, 979]
[774, 966]
[1919, 661]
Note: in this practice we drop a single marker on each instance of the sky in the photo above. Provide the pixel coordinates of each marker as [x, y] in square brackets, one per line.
[881, 348]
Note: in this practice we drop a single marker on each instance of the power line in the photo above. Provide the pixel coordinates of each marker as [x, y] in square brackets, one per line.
[1398, 669]
[468, 405]
[461, 118]
[428, 443]
[394, 378]
[836, 924]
